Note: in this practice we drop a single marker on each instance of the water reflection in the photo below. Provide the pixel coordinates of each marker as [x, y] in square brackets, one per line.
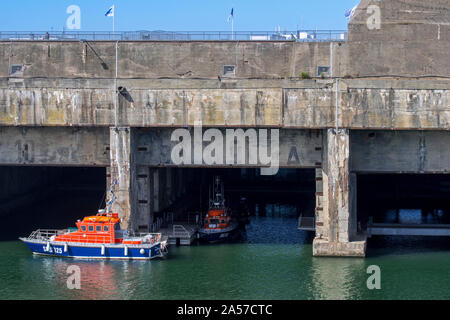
[337, 278]
[98, 278]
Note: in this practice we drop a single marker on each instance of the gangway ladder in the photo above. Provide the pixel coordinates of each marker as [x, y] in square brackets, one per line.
[306, 223]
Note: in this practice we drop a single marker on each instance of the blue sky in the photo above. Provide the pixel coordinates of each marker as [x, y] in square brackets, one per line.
[177, 15]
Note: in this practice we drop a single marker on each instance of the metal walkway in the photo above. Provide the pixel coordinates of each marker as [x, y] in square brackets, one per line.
[161, 35]
[307, 223]
[180, 234]
[395, 229]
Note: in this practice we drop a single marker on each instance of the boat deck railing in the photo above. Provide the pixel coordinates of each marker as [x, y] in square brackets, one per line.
[138, 235]
[46, 234]
[294, 35]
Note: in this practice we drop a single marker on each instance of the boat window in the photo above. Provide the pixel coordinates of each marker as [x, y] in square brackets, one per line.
[83, 228]
[214, 221]
[98, 228]
[90, 228]
[222, 221]
[105, 228]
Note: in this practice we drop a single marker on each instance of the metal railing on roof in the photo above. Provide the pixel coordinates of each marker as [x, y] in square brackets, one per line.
[299, 35]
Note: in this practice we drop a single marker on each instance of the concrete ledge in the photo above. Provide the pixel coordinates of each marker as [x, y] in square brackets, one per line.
[323, 248]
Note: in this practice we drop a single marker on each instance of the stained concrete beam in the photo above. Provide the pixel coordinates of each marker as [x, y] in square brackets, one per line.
[47, 146]
[400, 151]
[360, 105]
[297, 148]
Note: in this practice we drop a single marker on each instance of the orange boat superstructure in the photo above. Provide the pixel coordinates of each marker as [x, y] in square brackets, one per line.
[217, 219]
[101, 228]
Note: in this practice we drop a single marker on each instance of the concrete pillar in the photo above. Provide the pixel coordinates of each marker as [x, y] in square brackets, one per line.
[321, 228]
[108, 184]
[353, 225]
[156, 191]
[123, 173]
[169, 184]
[131, 183]
[143, 212]
[162, 188]
[181, 182]
[151, 187]
[336, 200]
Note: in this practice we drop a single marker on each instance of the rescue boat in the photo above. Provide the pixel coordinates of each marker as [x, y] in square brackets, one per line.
[218, 225]
[97, 237]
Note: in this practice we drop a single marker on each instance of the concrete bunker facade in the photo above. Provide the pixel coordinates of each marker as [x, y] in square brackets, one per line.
[372, 114]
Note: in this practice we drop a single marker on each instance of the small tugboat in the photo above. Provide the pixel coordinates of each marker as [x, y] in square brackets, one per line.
[218, 225]
[97, 237]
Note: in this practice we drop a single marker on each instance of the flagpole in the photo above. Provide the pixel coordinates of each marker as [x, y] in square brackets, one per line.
[114, 17]
[232, 28]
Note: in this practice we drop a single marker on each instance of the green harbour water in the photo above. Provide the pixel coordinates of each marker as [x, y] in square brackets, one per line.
[273, 262]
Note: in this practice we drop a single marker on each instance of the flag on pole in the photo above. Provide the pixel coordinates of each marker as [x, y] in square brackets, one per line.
[110, 12]
[231, 15]
[349, 13]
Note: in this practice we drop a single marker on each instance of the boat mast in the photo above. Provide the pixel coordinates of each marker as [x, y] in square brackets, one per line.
[113, 197]
[217, 194]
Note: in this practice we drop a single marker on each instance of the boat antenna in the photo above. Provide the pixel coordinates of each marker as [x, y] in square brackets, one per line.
[100, 205]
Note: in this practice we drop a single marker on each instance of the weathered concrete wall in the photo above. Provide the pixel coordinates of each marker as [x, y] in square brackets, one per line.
[153, 60]
[368, 104]
[413, 38]
[46, 146]
[400, 151]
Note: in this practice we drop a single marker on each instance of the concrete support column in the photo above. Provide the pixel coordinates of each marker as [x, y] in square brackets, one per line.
[123, 172]
[162, 189]
[336, 203]
[321, 228]
[143, 212]
[156, 190]
[169, 184]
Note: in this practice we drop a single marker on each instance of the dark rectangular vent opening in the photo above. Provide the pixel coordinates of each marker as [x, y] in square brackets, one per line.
[229, 71]
[16, 70]
[323, 71]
